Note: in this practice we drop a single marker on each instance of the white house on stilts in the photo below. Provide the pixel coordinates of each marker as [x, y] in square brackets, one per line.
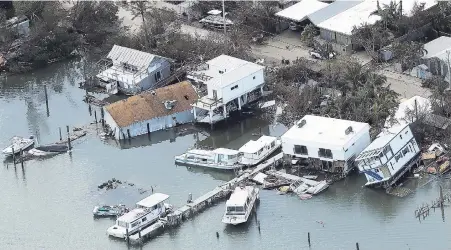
[225, 84]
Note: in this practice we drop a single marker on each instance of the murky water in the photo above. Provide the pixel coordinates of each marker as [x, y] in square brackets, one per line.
[48, 203]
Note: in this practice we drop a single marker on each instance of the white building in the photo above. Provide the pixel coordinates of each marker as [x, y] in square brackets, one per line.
[151, 111]
[438, 56]
[132, 71]
[393, 153]
[328, 144]
[226, 83]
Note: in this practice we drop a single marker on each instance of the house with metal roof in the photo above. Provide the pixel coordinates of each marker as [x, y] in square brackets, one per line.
[438, 56]
[392, 154]
[301, 10]
[338, 20]
[131, 71]
[226, 84]
[325, 143]
[151, 111]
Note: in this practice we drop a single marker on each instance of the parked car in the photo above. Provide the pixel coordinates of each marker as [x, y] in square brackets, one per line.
[294, 26]
[316, 55]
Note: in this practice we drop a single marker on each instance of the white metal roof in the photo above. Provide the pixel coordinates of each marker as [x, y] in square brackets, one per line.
[252, 146]
[133, 57]
[301, 10]
[356, 16]
[153, 200]
[132, 215]
[437, 47]
[239, 196]
[380, 142]
[225, 151]
[324, 130]
[233, 70]
[365, 12]
[423, 104]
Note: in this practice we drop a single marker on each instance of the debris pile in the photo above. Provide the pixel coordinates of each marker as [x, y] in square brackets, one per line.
[110, 184]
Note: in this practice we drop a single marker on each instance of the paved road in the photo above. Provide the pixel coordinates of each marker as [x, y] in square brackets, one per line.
[406, 86]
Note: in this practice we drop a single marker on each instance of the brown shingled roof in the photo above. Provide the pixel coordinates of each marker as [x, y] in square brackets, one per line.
[150, 105]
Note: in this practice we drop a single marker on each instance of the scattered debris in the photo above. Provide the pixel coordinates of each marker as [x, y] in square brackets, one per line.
[110, 184]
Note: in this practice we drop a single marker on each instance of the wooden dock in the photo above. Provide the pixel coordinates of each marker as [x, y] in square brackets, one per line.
[194, 207]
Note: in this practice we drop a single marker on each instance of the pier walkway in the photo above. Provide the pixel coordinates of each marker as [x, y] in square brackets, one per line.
[190, 209]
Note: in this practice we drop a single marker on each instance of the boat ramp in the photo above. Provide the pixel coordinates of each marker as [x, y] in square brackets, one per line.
[193, 207]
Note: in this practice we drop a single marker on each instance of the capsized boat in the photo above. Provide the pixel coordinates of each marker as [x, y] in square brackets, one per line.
[254, 152]
[147, 212]
[49, 150]
[240, 205]
[220, 158]
[18, 143]
[108, 211]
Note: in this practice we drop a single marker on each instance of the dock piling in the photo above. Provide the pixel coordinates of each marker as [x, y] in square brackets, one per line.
[95, 115]
[128, 133]
[102, 117]
[308, 235]
[190, 198]
[21, 158]
[46, 98]
[217, 235]
[68, 138]
[126, 235]
[14, 156]
[90, 109]
[148, 128]
[357, 245]
[139, 235]
[61, 136]
[258, 226]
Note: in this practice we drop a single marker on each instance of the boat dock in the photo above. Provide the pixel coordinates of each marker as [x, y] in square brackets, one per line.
[195, 206]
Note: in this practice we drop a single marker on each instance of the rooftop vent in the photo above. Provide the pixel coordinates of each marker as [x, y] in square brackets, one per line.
[349, 130]
[169, 104]
[302, 123]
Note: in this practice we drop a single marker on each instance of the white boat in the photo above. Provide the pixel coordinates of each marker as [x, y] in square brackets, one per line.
[147, 211]
[48, 150]
[240, 205]
[254, 152]
[220, 158]
[18, 143]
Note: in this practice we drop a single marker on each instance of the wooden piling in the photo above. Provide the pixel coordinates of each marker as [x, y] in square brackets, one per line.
[148, 128]
[357, 246]
[217, 235]
[95, 115]
[128, 133]
[90, 109]
[21, 158]
[69, 145]
[61, 136]
[139, 235]
[46, 97]
[308, 235]
[102, 116]
[126, 236]
[14, 156]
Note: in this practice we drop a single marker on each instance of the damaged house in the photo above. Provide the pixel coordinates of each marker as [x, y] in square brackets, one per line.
[131, 71]
[151, 111]
[325, 143]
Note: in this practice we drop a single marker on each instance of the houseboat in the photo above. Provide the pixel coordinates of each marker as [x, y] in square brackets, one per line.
[254, 152]
[220, 158]
[147, 211]
[18, 143]
[392, 154]
[240, 205]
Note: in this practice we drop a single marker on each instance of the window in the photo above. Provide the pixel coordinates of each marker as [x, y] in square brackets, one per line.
[398, 156]
[405, 150]
[260, 151]
[407, 131]
[134, 224]
[300, 150]
[158, 76]
[273, 144]
[144, 219]
[325, 153]
[234, 87]
[327, 165]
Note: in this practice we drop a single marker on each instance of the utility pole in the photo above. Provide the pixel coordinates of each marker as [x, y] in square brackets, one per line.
[223, 15]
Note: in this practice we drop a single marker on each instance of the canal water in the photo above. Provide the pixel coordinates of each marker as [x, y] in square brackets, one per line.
[48, 204]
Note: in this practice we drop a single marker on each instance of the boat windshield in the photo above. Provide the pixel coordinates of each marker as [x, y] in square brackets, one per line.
[122, 223]
[235, 210]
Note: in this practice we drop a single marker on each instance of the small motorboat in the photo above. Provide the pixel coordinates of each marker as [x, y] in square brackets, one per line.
[18, 143]
[49, 150]
[108, 211]
[240, 205]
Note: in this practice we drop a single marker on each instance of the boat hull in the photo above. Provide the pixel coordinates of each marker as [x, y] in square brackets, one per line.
[9, 152]
[180, 161]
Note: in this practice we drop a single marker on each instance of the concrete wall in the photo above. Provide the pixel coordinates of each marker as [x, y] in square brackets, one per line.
[155, 124]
